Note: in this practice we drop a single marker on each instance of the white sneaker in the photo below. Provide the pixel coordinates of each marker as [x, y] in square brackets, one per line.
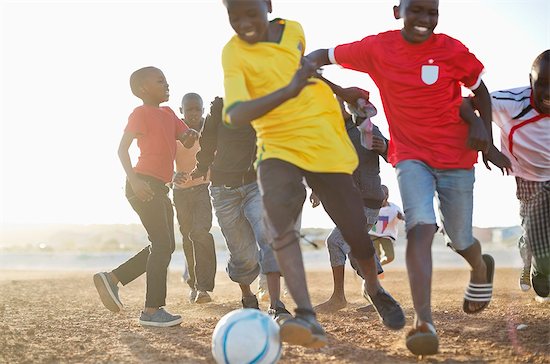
[540, 299]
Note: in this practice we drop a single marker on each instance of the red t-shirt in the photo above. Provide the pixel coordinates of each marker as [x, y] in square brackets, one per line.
[156, 130]
[420, 88]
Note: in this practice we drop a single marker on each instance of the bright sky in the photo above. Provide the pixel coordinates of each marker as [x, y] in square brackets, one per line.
[66, 99]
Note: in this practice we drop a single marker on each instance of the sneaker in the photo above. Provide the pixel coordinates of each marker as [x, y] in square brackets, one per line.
[279, 314]
[525, 279]
[203, 297]
[540, 299]
[388, 309]
[303, 330]
[192, 295]
[108, 291]
[541, 284]
[250, 302]
[161, 318]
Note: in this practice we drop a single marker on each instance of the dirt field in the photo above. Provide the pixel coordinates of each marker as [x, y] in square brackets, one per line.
[57, 317]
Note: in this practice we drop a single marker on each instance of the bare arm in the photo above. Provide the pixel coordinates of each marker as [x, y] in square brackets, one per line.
[140, 187]
[244, 113]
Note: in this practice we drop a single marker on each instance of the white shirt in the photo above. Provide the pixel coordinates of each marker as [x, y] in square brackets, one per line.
[529, 146]
[386, 226]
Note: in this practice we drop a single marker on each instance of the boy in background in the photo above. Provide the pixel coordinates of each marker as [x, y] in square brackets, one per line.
[384, 232]
[419, 75]
[194, 209]
[156, 129]
[300, 133]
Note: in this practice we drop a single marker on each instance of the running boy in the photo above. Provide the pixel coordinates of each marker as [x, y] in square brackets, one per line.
[156, 129]
[300, 134]
[523, 116]
[384, 232]
[194, 209]
[419, 75]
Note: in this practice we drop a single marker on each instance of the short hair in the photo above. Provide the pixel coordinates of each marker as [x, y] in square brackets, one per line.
[191, 95]
[137, 77]
[543, 57]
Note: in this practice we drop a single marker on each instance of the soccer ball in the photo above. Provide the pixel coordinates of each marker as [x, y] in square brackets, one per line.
[246, 336]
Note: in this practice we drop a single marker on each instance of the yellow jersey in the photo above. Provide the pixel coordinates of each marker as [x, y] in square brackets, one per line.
[308, 130]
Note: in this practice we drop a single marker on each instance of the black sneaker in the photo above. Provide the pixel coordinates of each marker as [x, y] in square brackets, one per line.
[388, 309]
[304, 330]
[279, 314]
[250, 302]
[541, 284]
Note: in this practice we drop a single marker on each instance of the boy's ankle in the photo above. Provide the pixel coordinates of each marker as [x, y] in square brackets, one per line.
[150, 310]
[113, 278]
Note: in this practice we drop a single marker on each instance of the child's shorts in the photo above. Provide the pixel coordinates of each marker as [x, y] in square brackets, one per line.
[419, 183]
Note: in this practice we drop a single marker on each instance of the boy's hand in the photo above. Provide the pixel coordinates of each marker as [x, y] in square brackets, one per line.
[498, 159]
[181, 178]
[379, 144]
[142, 190]
[196, 173]
[478, 138]
[352, 94]
[315, 201]
[216, 107]
[189, 138]
[302, 77]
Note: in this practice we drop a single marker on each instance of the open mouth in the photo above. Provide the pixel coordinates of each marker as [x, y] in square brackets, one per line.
[421, 30]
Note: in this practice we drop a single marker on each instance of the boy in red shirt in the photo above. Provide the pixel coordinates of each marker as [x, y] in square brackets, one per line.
[419, 75]
[156, 129]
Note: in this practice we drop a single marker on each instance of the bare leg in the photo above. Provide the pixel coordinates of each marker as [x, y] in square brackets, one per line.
[479, 270]
[292, 265]
[338, 299]
[370, 272]
[245, 290]
[274, 288]
[419, 268]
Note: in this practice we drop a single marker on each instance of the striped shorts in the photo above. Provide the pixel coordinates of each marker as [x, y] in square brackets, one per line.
[534, 198]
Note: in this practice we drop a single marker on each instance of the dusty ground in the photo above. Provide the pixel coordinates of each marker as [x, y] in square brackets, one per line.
[57, 317]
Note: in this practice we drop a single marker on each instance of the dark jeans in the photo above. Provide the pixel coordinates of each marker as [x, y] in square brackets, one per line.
[283, 195]
[157, 216]
[194, 213]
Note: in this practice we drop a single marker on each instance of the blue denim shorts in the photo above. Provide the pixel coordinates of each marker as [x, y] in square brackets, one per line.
[453, 188]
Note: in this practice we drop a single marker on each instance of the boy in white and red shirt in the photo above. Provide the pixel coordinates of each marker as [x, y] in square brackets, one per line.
[523, 116]
[419, 75]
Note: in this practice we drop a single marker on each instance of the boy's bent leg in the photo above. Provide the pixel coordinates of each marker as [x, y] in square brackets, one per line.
[342, 201]
[242, 266]
[283, 195]
[203, 242]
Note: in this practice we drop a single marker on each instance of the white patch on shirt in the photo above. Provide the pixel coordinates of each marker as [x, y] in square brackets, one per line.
[430, 74]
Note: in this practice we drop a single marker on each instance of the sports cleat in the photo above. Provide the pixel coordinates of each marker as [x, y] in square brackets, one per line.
[303, 330]
[108, 291]
[161, 318]
[388, 309]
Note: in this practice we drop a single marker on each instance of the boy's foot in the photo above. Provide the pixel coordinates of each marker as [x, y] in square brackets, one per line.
[250, 302]
[388, 309]
[279, 314]
[525, 279]
[332, 305]
[161, 318]
[422, 340]
[192, 295]
[108, 291]
[263, 295]
[304, 330]
[541, 284]
[203, 297]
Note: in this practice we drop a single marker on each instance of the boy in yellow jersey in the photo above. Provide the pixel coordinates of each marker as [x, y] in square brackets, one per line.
[300, 134]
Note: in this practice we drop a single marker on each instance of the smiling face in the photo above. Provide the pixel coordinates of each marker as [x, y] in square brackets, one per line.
[248, 18]
[420, 18]
[540, 82]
